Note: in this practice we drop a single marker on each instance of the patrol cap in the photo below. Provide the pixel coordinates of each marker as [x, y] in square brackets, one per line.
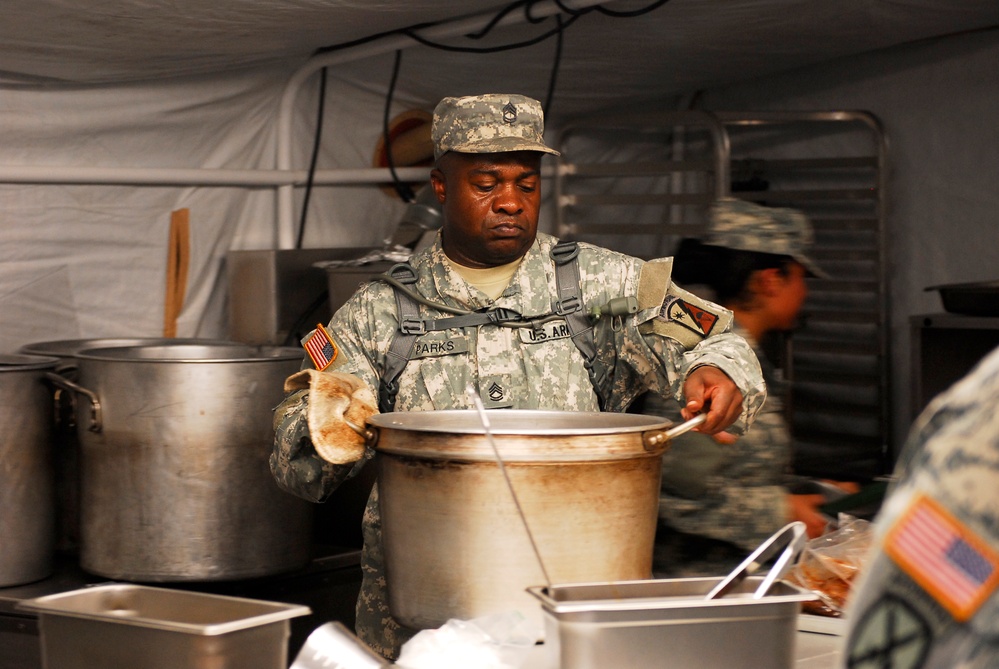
[488, 124]
[747, 226]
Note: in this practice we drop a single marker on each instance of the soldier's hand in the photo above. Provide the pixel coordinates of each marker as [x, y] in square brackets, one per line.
[709, 390]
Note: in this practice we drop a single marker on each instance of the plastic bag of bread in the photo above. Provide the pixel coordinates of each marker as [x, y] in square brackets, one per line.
[829, 564]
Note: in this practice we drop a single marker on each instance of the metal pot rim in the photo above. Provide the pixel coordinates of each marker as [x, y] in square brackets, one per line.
[15, 362]
[230, 352]
[68, 348]
[519, 422]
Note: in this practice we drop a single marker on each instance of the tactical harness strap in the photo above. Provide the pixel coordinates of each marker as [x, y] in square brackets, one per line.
[569, 305]
[570, 302]
[402, 344]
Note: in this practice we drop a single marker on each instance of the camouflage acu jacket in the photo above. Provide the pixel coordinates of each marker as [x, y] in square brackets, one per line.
[523, 368]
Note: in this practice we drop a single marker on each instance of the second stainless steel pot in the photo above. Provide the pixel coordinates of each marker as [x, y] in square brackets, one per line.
[455, 544]
[27, 503]
[175, 482]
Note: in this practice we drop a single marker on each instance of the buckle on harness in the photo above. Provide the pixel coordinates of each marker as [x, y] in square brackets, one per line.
[413, 326]
[564, 252]
[569, 305]
[502, 315]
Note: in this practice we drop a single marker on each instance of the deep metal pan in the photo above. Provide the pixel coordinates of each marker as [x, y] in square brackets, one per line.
[979, 298]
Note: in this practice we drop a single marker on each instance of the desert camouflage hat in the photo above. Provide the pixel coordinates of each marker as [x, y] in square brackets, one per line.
[488, 124]
[738, 224]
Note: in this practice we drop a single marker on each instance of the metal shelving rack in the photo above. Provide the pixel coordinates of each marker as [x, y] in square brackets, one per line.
[654, 179]
[652, 184]
[831, 165]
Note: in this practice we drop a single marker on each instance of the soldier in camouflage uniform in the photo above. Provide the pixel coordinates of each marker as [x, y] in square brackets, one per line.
[927, 597]
[489, 256]
[720, 501]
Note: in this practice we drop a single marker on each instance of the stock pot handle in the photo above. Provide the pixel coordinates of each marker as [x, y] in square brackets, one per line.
[96, 419]
[656, 438]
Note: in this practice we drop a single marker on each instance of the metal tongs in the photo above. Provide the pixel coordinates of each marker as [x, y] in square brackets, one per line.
[791, 538]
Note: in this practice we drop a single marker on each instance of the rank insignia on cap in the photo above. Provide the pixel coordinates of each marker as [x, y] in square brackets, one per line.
[946, 558]
[320, 347]
[509, 113]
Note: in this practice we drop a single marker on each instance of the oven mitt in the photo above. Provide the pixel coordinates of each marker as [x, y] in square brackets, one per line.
[339, 407]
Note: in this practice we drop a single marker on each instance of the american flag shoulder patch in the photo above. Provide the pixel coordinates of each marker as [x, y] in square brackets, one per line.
[946, 558]
[320, 347]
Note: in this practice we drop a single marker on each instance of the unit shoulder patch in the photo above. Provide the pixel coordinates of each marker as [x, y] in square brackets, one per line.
[688, 318]
[890, 633]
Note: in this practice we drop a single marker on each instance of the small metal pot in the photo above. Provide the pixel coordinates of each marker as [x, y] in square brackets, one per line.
[175, 483]
[455, 543]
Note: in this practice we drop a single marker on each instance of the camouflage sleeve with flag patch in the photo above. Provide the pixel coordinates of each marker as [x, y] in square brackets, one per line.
[928, 595]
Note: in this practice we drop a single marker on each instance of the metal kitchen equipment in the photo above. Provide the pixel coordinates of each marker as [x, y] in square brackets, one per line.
[977, 298]
[142, 627]
[669, 624]
[455, 546]
[27, 496]
[791, 538]
[66, 446]
[175, 482]
[67, 349]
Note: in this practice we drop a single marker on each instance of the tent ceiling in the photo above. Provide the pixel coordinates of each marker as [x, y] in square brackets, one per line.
[677, 48]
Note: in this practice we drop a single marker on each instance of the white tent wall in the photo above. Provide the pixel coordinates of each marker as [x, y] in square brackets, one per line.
[107, 244]
[938, 102]
[90, 260]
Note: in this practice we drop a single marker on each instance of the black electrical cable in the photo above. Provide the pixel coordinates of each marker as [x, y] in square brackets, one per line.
[490, 49]
[312, 163]
[403, 189]
[496, 19]
[573, 12]
[629, 14]
[527, 12]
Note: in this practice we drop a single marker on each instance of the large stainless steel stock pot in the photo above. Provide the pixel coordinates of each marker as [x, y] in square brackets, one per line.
[175, 483]
[66, 445]
[455, 543]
